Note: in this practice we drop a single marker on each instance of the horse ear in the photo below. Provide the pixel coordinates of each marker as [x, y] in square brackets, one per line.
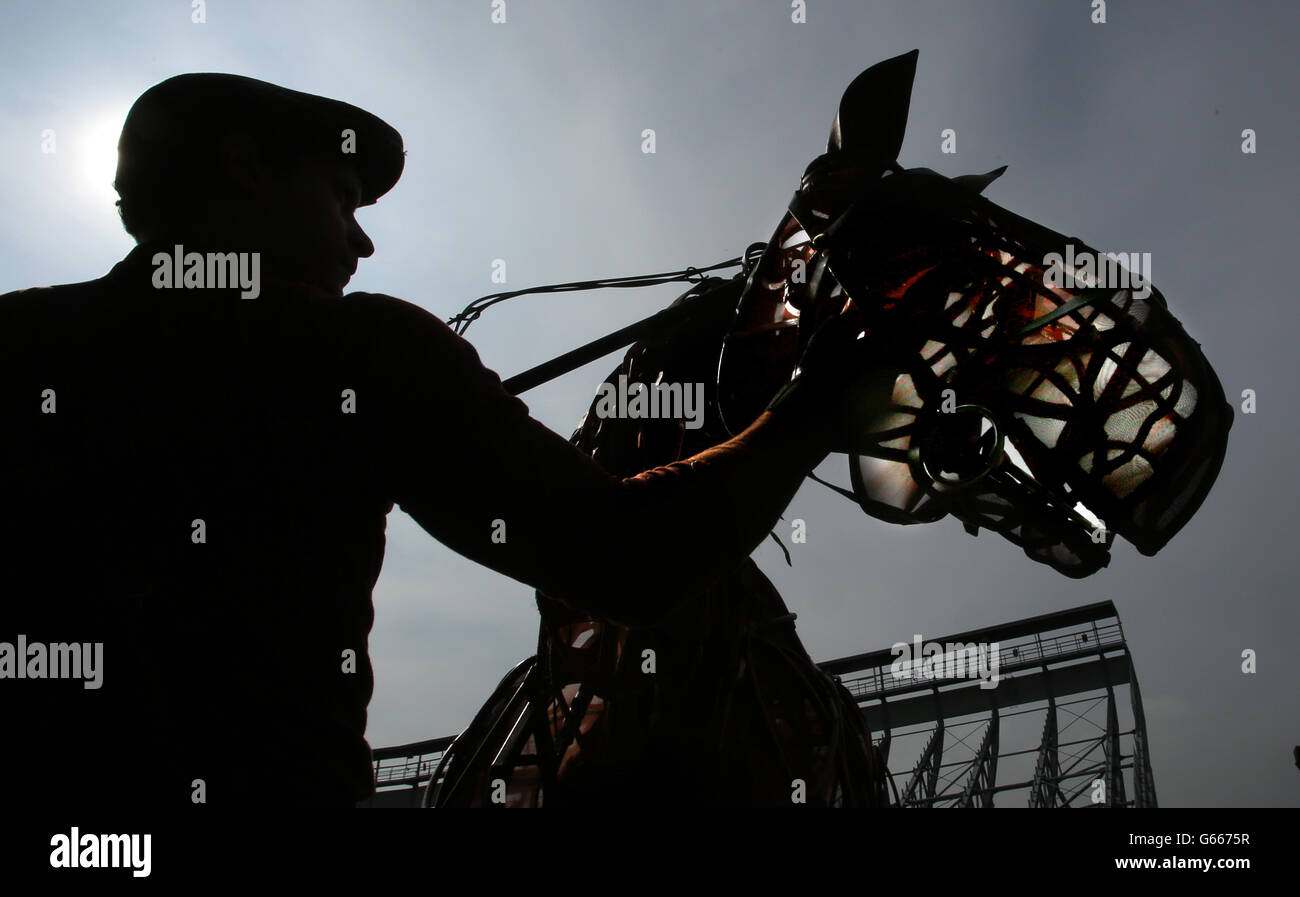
[978, 182]
[873, 111]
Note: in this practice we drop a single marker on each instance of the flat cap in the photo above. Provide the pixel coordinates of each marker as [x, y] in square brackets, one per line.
[193, 111]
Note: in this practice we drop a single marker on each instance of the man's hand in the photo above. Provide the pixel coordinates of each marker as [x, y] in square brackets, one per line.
[845, 378]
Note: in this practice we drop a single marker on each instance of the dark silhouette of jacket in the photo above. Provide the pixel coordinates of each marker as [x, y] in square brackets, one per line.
[199, 482]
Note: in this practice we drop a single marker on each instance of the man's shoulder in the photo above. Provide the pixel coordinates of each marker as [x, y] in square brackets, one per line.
[37, 313]
[384, 307]
[33, 297]
[423, 345]
[401, 322]
[399, 311]
[394, 328]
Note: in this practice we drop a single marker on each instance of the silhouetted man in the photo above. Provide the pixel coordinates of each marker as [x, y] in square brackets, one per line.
[198, 452]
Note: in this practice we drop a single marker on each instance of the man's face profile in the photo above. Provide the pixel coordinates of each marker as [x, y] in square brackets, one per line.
[304, 221]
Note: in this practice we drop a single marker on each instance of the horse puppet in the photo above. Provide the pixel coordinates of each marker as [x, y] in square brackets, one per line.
[1028, 394]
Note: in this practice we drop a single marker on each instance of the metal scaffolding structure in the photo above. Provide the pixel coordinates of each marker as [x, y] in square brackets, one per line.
[1062, 668]
[402, 771]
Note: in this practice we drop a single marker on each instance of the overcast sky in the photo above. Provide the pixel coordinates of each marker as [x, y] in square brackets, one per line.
[524, 144]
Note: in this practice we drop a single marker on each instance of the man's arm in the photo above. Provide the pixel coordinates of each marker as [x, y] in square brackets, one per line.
[469, 464]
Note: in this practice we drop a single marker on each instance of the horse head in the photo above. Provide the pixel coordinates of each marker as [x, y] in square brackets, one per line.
[1036, 387]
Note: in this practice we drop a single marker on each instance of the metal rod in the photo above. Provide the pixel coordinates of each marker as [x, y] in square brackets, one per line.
[658, 323]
